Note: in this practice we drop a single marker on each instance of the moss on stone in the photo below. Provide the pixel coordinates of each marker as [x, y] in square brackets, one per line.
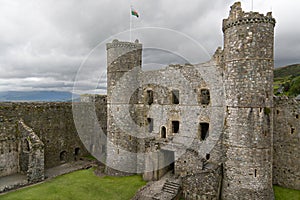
[267, 111]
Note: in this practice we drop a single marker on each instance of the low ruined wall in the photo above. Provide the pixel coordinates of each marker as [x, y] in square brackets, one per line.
[286, 154]
[204, 185]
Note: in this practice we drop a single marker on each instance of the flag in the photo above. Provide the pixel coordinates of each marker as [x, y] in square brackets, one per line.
[134, 12]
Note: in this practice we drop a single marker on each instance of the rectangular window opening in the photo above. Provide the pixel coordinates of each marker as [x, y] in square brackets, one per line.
[175, 96]
[175, 126]
[103, 147]
[203, 131]
[205, 96]
[150, 124]
[149, 97]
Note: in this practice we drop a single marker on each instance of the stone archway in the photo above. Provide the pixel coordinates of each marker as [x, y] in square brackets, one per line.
[63, 156]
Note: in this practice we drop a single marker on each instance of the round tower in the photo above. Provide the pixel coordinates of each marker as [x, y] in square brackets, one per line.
[122, 57]
[248, 78]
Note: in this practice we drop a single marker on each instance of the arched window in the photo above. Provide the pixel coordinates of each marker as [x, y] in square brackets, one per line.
[207, 156]
[77, 151]
[63, 156]
[26, 146]
[163, 132]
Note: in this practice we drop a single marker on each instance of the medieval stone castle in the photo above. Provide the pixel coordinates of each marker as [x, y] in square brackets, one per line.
[215, 128]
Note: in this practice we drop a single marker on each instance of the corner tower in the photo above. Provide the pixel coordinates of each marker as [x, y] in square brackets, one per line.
[122, 57]
[248, 78]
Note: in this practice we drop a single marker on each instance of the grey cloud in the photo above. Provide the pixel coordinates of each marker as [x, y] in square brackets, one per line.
[49, 40]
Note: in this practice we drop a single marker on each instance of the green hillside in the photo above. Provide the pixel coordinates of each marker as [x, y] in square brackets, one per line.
[287, 80]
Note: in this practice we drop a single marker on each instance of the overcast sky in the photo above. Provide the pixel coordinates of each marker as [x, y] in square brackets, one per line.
[43, 43]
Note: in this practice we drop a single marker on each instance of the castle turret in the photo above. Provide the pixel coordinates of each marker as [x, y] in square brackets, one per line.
[122, 58]
[248, 78]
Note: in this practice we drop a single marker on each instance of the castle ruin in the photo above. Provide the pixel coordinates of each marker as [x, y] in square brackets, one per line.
[216, 126]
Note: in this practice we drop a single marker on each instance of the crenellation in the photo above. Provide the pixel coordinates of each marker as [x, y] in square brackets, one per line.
[238, 17]
[121, 44]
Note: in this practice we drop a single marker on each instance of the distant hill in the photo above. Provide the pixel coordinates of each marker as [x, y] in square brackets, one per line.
[291, 70]
[36, 96]
[287, 80]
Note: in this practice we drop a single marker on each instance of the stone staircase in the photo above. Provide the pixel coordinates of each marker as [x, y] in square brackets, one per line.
[171, 187]
[167, 188]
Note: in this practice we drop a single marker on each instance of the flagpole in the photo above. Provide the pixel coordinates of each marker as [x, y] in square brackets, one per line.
[130, 23]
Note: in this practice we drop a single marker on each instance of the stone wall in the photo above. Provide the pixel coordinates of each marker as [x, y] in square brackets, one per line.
[248, 78]
[52, 122]
[286, 156]
[203, 185]
[123, 59]
[9, 146]
[32, 154]
[90, 117]
[166, 108]
[170, 109]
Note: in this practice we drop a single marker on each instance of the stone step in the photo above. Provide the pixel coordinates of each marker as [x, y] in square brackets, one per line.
[172, 183]
[170, 191]
[171, 187]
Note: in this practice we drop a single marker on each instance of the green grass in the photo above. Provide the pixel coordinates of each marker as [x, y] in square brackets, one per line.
[288, 78]
[80, 185]
[287, 71]
[286, 194]
[90, 157]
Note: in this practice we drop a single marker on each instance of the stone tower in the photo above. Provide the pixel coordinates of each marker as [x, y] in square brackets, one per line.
[123, 58]
[248, 80]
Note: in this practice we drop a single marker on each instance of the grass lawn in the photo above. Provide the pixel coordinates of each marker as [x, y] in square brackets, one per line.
[286, 194]
[84, 184]
[80, 185]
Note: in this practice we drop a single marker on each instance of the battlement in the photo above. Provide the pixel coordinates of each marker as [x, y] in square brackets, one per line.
[130, 45]
[238, 17]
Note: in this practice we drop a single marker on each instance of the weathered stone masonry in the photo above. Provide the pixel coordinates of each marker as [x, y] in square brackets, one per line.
[286, 154]
[121, 58]
[52, 124]
[248, 77]
[240, 164]
[227, 101]
[32, 154]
